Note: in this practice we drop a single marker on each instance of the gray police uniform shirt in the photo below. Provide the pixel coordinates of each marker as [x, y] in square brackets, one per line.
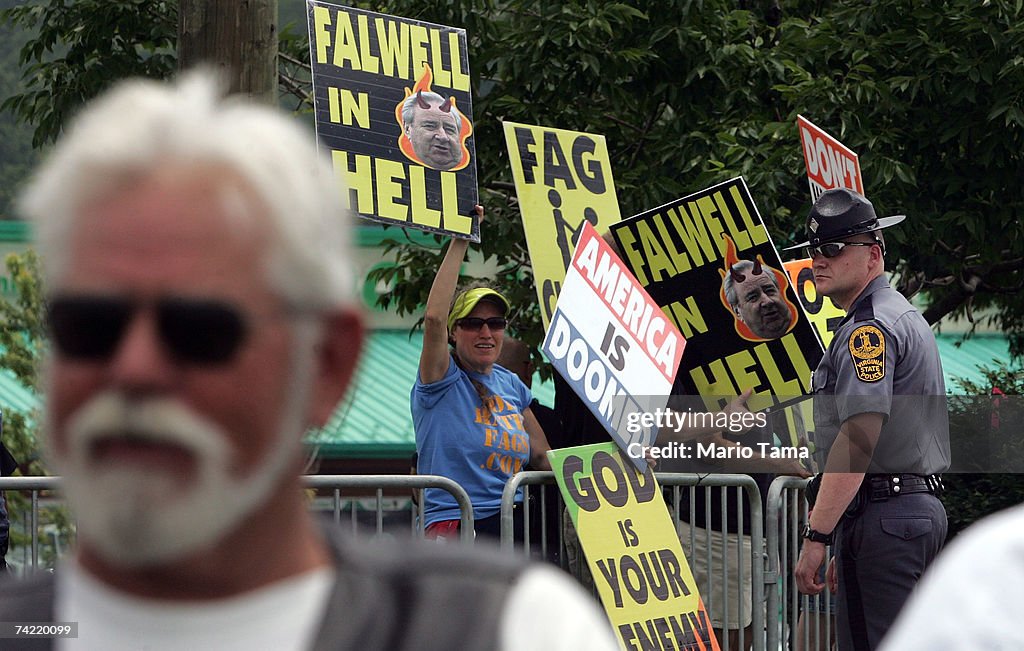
[884, 359]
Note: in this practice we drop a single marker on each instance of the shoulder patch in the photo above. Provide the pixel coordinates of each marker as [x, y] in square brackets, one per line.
[867, 349]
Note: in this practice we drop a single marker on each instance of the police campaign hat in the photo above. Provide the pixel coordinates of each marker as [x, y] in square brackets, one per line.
[840, 213]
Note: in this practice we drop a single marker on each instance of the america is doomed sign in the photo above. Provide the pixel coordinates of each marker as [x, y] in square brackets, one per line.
[612, 343]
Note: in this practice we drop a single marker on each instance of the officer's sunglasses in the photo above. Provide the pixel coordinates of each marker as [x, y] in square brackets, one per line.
[193, 331]
[475, 323]
[832, 249]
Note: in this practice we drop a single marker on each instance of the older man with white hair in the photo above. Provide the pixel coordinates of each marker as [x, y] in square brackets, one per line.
[199, 301]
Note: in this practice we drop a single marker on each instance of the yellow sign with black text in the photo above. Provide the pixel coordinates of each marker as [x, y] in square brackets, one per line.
[563, 178]
[822, 312]
[632, 549]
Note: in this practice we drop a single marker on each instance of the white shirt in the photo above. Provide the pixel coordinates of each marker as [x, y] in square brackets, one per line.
[282, 616]
[546, 611]
[972, 597]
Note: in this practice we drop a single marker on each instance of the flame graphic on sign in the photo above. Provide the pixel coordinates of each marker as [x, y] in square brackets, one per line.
[423, 84]
[705, 630]
[731, 258]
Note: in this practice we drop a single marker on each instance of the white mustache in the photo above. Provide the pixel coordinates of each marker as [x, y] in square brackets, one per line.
[154, 420]
[135, 516]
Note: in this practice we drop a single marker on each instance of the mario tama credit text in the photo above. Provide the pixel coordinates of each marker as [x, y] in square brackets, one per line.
[724, 421]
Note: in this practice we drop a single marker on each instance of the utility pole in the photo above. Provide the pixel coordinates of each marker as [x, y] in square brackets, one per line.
[238, 37]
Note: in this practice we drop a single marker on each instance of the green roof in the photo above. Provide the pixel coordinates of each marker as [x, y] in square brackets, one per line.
[961, 359]
[14, 396]
[374, 421]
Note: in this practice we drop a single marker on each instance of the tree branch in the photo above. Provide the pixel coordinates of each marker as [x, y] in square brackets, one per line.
[293, 60]
[623, 123]
[952, 301]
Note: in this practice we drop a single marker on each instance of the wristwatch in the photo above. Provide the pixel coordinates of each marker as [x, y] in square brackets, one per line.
[817, 536]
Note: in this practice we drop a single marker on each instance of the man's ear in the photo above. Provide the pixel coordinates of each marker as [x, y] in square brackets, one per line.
[876, 254]
[337, 356]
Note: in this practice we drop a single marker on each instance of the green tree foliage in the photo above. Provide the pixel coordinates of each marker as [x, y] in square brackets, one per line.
[688, 93]
[971, 496]
[22, 337]
[77, 48]
[80, 48]
[691, 93]
[16, 153]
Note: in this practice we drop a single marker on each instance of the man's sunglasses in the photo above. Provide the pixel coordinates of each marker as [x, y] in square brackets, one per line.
[193, 331]
[475, 323]
[832, 249]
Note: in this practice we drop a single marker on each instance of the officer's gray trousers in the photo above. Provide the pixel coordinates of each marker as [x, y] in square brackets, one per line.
[880, 555]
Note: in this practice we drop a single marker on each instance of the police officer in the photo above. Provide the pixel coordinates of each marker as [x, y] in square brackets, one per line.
[880, 404]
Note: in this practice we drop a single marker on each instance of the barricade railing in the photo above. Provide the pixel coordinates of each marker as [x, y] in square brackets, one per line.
[526, 479]
[796, 622]
[335, 483]
[379, 483]
[772, 581]
[734, 557]
[36, 485]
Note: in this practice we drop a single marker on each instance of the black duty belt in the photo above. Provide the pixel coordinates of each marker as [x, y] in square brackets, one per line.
[880, 488]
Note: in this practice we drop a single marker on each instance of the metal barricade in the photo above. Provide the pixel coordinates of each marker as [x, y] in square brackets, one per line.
[734, 555]
[526, 479]
[734, 558]
[335, 483]
[543, 510]
[409, 482]
[36, 485]
[796, 622]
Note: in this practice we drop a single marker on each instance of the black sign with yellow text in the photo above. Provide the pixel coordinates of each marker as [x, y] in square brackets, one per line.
[393, 108]
[708, 261]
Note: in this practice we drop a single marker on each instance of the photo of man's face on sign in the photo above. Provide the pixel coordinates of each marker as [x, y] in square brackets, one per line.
[756, 295]
[434, 131]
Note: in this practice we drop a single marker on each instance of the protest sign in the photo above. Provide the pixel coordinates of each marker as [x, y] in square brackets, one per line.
[830, 164]
[798, 427]
[563, 179]
[823, 313]
[632, 549]
[708, 261]
[613, 344]
[393, 108]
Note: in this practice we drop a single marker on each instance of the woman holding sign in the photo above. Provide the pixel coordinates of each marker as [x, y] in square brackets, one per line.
[472, 417]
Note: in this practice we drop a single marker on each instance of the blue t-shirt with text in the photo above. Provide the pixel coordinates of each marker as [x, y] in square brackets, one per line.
[479, 447]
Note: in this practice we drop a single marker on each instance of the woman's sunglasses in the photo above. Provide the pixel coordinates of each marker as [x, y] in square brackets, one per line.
[194, 331]
[475, 323]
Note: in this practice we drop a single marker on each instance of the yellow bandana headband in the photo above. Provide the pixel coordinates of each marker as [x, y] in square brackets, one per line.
[468, 299]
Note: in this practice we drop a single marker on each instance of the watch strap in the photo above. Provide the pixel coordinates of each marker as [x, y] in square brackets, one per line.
[817, 536]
